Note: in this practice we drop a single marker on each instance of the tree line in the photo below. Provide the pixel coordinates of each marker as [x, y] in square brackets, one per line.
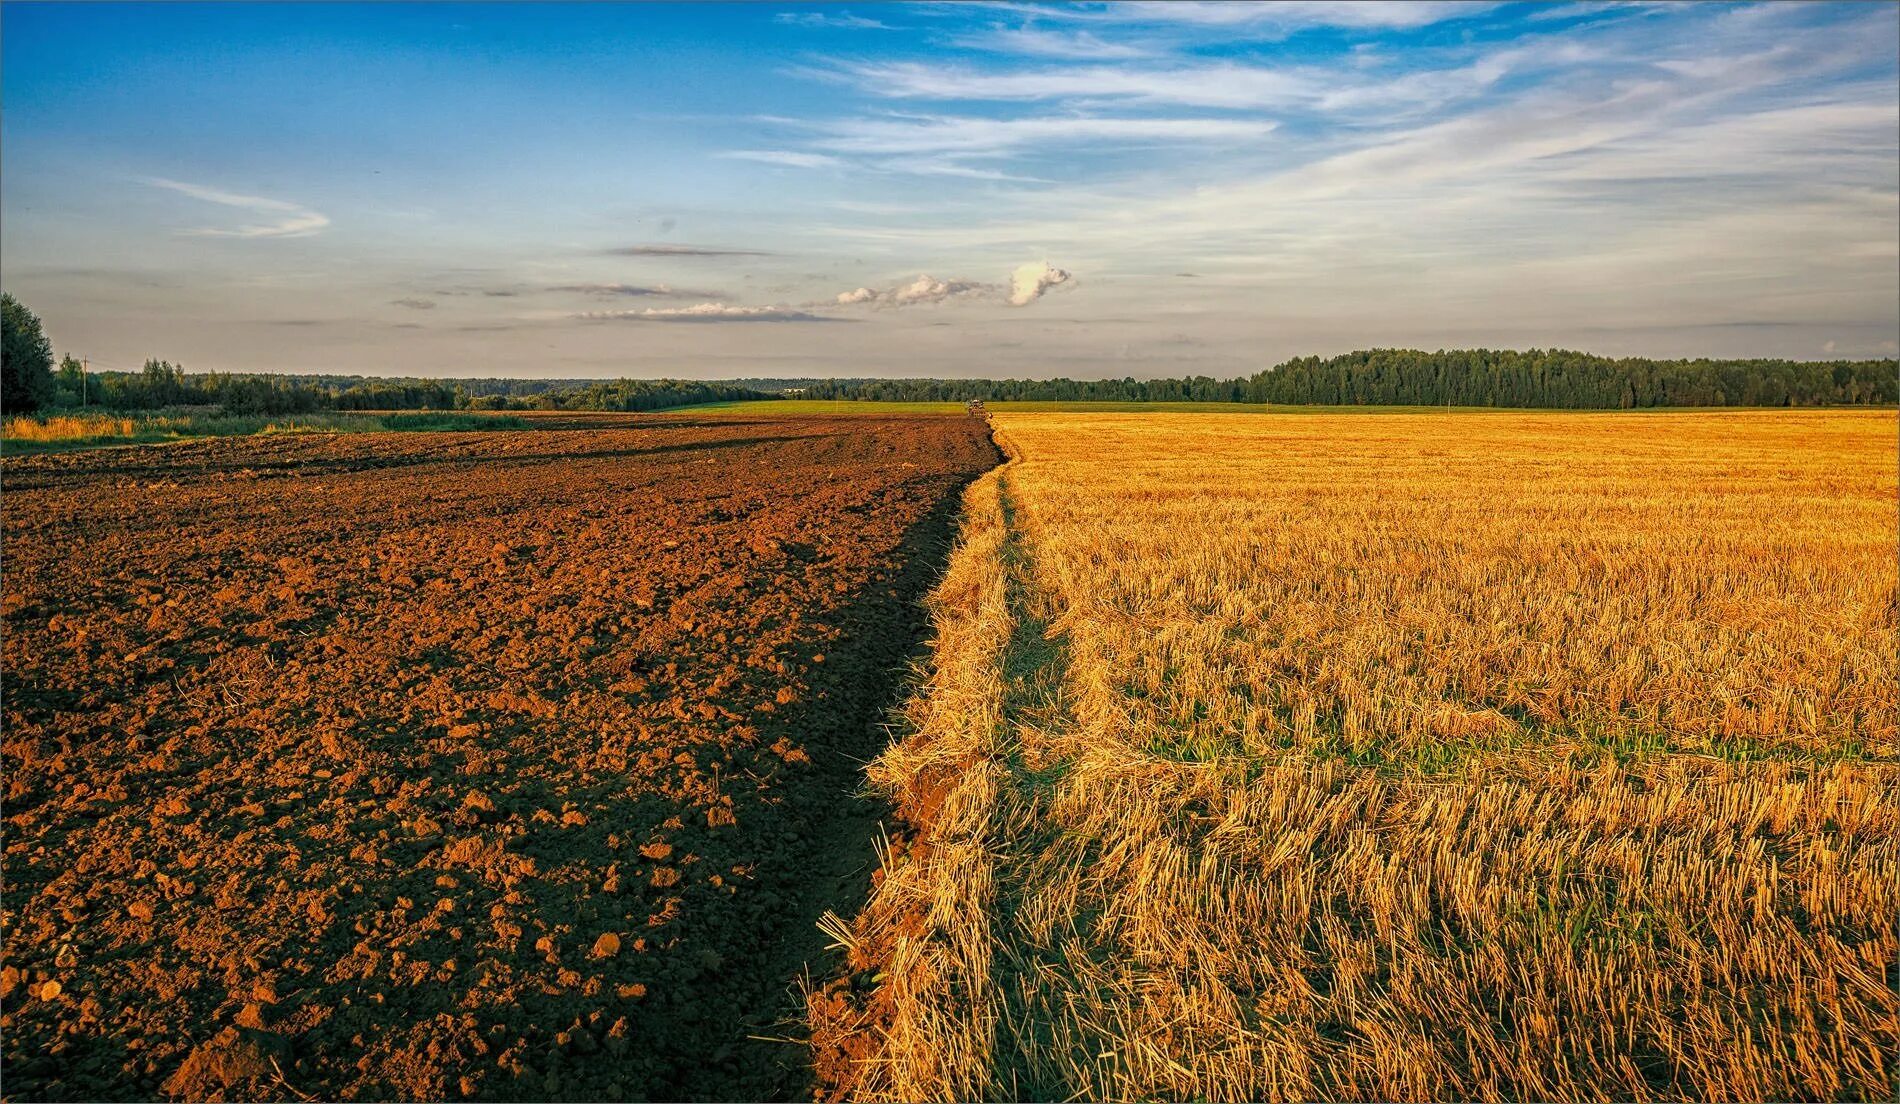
[1560, 378]
[1546, 378]
[1195, 389]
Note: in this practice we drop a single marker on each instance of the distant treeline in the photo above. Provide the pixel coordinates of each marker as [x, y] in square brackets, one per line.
[163, 384]
[1552, 378]
[1559, 378]
[1197, 389]
[620, 394]
[1387, 377]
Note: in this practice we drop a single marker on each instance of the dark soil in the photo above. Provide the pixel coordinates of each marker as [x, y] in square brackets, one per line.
[448, 765]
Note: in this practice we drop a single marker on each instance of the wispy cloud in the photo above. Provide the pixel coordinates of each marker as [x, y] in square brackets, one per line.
[1459, 72]
[1213, 85]
[294, 220]
[948, 165]
[1034, 42]
[682, 251]
[830, 19]
[707, 312]
[792, 158]
[414, 304]
[979, 135]
[609, 291]
[1282, 15]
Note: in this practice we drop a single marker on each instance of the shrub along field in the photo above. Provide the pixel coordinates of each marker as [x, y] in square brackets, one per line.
[1427, 756]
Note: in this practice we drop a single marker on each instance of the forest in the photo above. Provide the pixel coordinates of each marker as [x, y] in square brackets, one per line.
[162, 384]
[1534, 378]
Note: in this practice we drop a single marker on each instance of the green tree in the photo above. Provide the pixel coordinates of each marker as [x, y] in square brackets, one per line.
[72, 381]
[26, 359]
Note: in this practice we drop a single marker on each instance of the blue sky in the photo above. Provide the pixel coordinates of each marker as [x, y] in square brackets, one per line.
[945, 189]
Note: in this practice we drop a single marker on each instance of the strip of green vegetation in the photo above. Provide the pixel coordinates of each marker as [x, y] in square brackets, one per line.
[61, 433]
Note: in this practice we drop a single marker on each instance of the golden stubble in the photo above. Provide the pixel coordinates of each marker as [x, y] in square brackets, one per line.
[1471, 756]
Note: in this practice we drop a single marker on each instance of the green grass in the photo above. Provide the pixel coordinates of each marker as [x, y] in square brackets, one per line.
[167, 426]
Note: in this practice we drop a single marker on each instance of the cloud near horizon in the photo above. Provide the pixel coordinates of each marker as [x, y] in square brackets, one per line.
[1029, 281]
[1026, 284]
[707, 312]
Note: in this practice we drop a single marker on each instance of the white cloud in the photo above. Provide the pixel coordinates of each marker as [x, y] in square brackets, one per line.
[1283, 15]
[925, 289]
[1031, 42]
[792, 158]
[949, 165]
[705, 312]
[1026, 284]
[972, 135]
[830, 19]
[295, 221]
[1029, 281]
[1459, 71]
[1220, 85]
[1364, 14]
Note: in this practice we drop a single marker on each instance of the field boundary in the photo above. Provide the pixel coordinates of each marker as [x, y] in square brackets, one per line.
[914, 1016]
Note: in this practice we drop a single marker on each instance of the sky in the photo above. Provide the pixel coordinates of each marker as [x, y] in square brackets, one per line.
[977, 189]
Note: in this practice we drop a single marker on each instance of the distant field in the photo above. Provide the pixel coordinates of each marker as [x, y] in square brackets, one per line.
[1532, 756]
[859, 406]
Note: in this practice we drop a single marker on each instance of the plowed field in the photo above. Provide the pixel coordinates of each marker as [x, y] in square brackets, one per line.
[500, 765]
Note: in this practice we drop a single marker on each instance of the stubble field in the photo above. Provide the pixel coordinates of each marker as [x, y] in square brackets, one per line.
[438, 766]
[1494, 756]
